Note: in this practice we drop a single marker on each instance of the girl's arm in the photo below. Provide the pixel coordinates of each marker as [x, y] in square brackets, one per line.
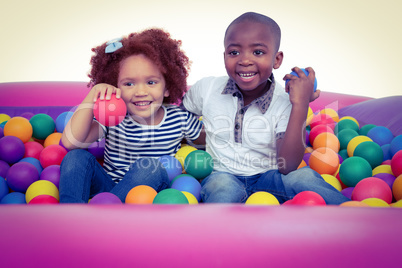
[291, 148]
[82, 130]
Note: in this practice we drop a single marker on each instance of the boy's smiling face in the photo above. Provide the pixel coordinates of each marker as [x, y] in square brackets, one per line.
[250, 55]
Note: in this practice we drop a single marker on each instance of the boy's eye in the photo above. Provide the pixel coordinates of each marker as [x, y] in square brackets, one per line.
[258, 52]
[233, 53]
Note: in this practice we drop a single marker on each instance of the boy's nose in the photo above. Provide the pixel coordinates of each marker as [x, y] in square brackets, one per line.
[245, 61]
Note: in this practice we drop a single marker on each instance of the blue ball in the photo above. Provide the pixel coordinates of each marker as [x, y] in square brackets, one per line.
[380, 135]
[3, 188]
[386, 151]
[172, 165]
[62, 120]
[396, 144]
[13, 198]
[306, 73]
[188, 184]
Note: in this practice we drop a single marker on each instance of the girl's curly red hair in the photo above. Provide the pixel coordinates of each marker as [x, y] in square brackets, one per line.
[155, 44]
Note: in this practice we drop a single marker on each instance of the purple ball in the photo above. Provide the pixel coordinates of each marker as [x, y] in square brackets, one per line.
[306, 157]
[27, 115]
[34, 162]
[14, 198]
[388, 178]
[348, 192]
[105, 198]
[52, 174]
[3, 168]
[1, 132]
[12, 149]
[21, 175]
[97, 149]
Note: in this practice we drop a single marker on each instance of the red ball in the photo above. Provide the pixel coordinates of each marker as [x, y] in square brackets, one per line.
[307, 198]
[372, 187]
[396, 163]
[322, 119]
[110, 112]
[317, 130]
[52, 155]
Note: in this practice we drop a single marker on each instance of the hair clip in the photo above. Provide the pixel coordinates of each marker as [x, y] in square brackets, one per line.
[113, 45]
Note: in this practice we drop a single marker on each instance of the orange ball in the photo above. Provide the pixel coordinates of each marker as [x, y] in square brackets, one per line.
[141, 194]
[18, 127]
[327, 139]
[53, 138]
[397, 188]
[302, 164]
[324, 161]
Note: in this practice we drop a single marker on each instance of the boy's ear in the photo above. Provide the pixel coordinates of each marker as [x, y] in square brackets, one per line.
[278, 59]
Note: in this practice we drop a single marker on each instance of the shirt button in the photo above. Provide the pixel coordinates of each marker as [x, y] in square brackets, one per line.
[241, 111]
[237, 126]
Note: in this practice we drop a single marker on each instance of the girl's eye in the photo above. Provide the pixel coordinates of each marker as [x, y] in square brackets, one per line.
[152, 83]
[129, 84]
[258, 52]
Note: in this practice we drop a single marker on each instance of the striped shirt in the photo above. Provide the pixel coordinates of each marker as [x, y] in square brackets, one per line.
[129, 140]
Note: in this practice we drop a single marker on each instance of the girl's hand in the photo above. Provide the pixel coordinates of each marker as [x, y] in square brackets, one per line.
[105, 91]
[301, 89]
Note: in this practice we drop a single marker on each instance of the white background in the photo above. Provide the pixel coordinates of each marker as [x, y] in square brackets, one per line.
[353, 45]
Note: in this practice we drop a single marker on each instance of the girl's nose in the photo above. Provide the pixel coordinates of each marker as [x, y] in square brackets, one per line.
[141, 91]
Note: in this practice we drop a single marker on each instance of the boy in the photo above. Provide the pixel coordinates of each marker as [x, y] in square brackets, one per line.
[254, 128]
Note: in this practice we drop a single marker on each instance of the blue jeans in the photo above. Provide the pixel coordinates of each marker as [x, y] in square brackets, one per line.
[82, 177]
[222, 187]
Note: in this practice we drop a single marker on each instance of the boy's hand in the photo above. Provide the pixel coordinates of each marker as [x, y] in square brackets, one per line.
[105, 91]
[301, 89]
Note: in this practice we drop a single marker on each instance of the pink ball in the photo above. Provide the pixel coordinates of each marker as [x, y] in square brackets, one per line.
[44, 199]
[33, 149]
[315, 131]
[110, 112]
[396, 163]
[307, 198]
[52, 155]
[372, 187]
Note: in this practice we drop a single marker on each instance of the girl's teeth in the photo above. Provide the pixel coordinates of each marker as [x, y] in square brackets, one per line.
[142, 103]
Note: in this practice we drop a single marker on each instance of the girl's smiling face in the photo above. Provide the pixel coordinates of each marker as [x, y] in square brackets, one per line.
[250, 55]
[143, 88]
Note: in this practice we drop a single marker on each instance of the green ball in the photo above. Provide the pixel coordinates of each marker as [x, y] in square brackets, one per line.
[170, 196]
[353, 170]
[370, 151]
[346, 123]
[344, 154]
[365, 129]
[344, 137]
[42, 125]
[198, 164]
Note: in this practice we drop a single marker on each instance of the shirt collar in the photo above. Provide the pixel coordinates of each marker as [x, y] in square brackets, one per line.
[262, 102]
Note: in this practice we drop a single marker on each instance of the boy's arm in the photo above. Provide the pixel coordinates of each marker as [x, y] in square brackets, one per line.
[291, 147]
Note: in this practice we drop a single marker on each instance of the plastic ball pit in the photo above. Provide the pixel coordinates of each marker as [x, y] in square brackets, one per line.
[243, 236]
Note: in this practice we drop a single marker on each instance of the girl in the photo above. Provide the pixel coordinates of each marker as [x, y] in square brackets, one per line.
[145, 69]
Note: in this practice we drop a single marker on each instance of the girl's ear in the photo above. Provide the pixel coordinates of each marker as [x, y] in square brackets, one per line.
[166, 94]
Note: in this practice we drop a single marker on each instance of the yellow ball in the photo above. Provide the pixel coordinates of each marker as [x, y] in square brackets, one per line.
[375, 202]
[191, 198]
[331, 112]
[310, 115]
[333, 181]
[354, 142]
[182, 153]
[4, 117]
[351, 118]
[262, 198]
[382, 169]
[397, 204]
[41, 187]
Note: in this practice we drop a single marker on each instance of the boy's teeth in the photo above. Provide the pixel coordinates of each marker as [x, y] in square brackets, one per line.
[248, 75]
[142, 103]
